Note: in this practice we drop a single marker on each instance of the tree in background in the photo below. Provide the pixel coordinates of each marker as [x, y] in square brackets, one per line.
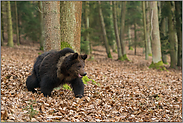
[145, 30]
[51, 22]
[148, 30]
[70, 23]
[178, 16]
[17, 29]
[116, 31]
[122, 38]
[104, 32]
[171, 33]
[10, 29]
[41, 25]
[156, 45]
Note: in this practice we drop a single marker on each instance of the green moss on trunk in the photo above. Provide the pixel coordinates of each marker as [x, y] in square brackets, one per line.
[158, 66]
[109, 55]
[65, 44]
[125, 57]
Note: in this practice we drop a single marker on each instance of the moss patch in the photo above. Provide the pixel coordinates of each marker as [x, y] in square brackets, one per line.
[158, 66]
[125, 57]
[150, 54]
[131, 48]
[109, 55]
[65, 44]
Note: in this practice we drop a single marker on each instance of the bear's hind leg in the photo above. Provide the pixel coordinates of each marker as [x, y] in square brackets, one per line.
[78, 87]
[32, 83]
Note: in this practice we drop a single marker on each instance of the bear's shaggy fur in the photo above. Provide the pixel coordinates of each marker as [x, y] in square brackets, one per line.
[54, 68]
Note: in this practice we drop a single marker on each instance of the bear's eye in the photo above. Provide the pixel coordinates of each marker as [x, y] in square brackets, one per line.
[79, 66]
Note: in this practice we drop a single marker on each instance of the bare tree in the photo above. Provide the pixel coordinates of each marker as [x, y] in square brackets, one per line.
[51, 22]
[70, 23]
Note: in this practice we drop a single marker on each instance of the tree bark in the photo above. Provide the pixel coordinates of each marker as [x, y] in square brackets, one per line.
[116, 31]
[87, 27]
[145, 32]
[71, 24]
[156, 46]
[135, 38]
[10, 29]
[179, 31]
[17, 29]
[51, 22]
[2, 28]
[104, 32]
[123, 13]
[171, 37]
[148, 28]
[41, 25]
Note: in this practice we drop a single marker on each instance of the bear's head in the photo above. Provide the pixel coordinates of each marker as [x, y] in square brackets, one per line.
[73, 65]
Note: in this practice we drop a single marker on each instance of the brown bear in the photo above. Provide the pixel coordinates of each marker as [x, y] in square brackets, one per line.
[54, 68]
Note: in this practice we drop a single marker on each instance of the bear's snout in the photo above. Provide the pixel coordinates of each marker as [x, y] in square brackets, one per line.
[84, 74]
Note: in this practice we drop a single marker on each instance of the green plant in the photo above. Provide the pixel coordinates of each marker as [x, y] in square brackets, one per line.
[31, 111]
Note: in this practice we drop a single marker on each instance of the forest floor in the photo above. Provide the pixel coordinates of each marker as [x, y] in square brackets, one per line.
[127, 91]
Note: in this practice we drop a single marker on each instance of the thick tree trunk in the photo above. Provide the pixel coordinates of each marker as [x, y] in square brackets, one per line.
[171, 37]
[104, 32]
[2, 28]
[116, 31]
[10, 29]
[51, 22]
[71, 24]
[41, 25]
[145, 32]
[156, 46]
[179, 31]
[17, 29]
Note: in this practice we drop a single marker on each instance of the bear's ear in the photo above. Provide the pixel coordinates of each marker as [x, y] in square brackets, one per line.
[74, 56]
[83, 57]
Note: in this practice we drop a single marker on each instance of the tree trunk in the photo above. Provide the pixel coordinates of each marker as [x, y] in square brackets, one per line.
[104, 32]
[163, 41]
[148, 28]
[145, 32]
[41, 25]
[179, 31]
[129, 38]
[17, 29]
[10, 29]
[87, 27]
[156, 45]
[2, 28]
[171, 37]
[71, 24]
[51, 22]
[123, 13]
[116, 30]
[135, 38]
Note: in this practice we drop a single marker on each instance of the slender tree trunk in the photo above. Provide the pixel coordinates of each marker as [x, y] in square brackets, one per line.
[145, 32]
[123, 13]
[179, 31]
[129, 38]
[163, 35]
[51, 22]
[135, 38]
[104, 32]
[156, 45]
[148, 28]
[87, 27]
[171, 37]
[116, 31]
[41, 25]
[17, 29]
[2, 29]
[71, 24]
[10, 29]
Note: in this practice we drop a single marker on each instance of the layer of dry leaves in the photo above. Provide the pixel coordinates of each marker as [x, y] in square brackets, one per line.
[128, 91]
